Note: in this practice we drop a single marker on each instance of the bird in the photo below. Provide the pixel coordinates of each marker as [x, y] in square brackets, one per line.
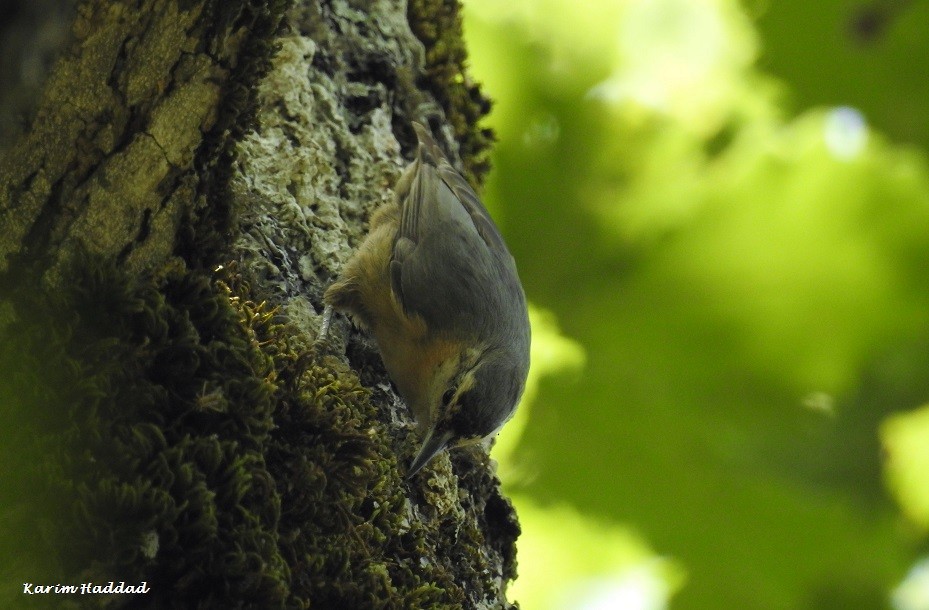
[435, 284]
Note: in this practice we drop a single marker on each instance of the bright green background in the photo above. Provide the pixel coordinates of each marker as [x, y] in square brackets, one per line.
[739, 273]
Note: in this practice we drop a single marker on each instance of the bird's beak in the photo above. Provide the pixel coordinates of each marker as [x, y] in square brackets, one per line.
[432, 445]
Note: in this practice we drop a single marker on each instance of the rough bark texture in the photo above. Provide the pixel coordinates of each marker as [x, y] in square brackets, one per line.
[191, 177]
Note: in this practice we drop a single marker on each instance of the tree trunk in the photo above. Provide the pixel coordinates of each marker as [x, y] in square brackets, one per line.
[191, 177]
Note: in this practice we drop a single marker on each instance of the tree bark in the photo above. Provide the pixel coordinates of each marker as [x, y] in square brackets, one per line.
[192, 176]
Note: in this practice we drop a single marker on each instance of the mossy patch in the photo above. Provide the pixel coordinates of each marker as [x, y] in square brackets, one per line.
[437, 24]
[171, 430]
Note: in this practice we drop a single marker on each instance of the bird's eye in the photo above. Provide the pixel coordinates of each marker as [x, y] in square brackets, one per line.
[447, 397]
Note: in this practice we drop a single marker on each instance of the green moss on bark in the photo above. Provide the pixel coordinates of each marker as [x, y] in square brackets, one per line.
[437, 23]
[177, 435]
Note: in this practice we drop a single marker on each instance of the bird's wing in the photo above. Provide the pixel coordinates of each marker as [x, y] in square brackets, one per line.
[448, 250]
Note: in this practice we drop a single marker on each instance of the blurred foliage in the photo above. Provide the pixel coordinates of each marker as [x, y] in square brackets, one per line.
[865, 54]
[904, 438]
[726, 207]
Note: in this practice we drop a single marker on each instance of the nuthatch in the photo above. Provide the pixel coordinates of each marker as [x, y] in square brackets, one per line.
[438, 289]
